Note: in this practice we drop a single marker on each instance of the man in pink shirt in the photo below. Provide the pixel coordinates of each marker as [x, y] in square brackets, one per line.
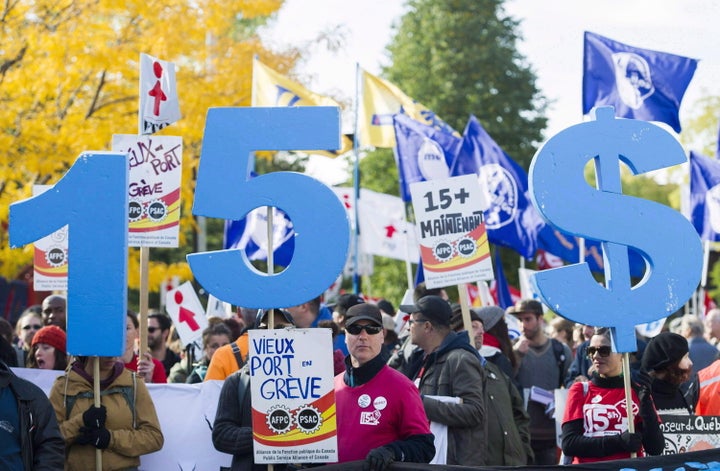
[380, 415]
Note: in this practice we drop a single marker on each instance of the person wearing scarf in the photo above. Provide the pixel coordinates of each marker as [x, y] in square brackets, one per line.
[124, 427]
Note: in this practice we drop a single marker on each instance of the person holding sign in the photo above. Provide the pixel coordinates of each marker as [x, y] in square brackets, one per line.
[449, 367]
[124, 427]
[232, 431]
[380, 415]
[595, 424]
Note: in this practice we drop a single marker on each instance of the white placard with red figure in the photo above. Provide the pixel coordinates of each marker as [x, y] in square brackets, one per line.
[188, 315]
[159, 104]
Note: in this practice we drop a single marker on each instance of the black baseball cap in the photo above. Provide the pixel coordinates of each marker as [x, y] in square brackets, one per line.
[363, 311]
[431, 307]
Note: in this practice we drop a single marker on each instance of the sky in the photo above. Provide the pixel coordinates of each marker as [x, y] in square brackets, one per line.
[552, 44]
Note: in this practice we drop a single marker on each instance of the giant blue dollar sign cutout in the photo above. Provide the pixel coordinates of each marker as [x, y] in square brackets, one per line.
[667, 241]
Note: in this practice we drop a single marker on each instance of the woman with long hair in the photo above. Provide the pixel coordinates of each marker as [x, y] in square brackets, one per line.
[595, 422]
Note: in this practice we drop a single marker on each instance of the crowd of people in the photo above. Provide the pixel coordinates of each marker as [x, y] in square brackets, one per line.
[489, 396]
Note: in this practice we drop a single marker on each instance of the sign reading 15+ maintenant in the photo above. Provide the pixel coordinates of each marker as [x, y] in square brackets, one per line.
[449, 221]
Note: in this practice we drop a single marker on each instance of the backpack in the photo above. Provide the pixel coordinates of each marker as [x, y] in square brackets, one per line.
[559, 351]
[238, 355]
[129, 393]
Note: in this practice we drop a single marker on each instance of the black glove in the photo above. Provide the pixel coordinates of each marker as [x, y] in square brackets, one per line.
[98, 437]
[379, 459]
[631, 441]
[95, 417]
[644, 385]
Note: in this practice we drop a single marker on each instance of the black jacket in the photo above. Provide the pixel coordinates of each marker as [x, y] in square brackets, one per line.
[232, 431]
[42, 445]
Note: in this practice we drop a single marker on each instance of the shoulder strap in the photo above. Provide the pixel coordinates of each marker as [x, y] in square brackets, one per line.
[559, 352]
[586, 387]
[238, 355]
[243, 386]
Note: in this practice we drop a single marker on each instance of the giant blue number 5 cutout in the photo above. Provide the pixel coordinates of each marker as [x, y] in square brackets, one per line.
[223, 190]
[92, 198]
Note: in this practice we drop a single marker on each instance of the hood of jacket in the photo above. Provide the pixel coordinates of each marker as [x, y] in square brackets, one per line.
[454, 341]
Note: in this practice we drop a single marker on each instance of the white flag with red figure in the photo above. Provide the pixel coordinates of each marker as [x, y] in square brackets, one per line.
[384, 230]
[159, 104]
[186, 312]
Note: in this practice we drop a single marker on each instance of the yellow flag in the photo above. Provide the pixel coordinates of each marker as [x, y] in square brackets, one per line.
[380, 101]
[271, 88]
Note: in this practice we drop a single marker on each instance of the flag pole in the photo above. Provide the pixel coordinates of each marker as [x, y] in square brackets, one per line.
[628, 396]
[408, 267]
[356, 186]
[703, 280]
[97, 404]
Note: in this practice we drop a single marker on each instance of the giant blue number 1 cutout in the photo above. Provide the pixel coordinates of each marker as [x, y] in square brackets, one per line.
[91, 198]
[223, 190]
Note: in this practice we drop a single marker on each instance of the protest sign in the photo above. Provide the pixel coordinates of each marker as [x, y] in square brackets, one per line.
[50, 259]
[293, 396]
[449, 221]
[154, 189]
[188, 315]
[159, 104]
[684, 433]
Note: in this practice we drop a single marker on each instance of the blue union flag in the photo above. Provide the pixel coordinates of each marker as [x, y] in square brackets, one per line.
[639, 83]
[511, 219]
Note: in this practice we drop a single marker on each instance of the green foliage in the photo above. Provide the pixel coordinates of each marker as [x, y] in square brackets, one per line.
[459, 57]
[701, 132]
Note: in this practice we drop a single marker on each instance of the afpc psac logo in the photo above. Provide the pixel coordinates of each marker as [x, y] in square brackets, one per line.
[501, 192]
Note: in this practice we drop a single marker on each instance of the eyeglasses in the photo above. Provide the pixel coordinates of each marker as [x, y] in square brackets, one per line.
[153, 329]
[416, 321]
[604, 351]
[32, 326]
[355, 329]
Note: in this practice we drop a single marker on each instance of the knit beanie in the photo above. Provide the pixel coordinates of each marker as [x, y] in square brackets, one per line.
[662, 350]
[51, 335]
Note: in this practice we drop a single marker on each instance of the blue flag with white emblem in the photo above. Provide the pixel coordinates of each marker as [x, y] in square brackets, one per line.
[705, 196]
[250, 234]
[422, 152]
[511, 220]
[639, 83]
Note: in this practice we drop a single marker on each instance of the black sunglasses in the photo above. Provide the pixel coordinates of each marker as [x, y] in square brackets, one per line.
[604, 351]
[355, 329]
[153, 329]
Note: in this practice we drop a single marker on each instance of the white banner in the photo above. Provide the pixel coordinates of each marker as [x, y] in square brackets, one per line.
[186, 413]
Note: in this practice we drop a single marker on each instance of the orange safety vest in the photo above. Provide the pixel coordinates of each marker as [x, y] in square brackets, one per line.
[709, 400]
[224, 362]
